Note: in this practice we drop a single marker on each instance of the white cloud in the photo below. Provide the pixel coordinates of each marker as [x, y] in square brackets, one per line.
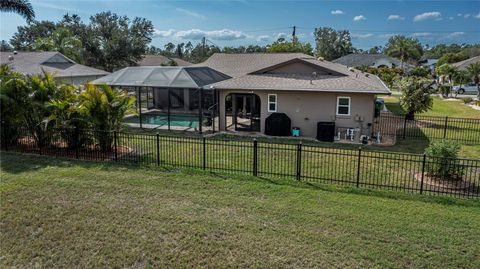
[450, 18]
[263, 38]
[459, 14]
[359, 18]
[455, 34]
[386, 35]
[395, 17]
[361, 36]
[160, 33]
[477, 16]
[427, 16]
[337, 12]
[422, 34]
[466, 16]
[281, 35]
[223, 34]
[190, 13]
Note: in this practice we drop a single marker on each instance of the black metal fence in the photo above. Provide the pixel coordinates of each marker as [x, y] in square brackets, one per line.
[360, 168]
[431, 127]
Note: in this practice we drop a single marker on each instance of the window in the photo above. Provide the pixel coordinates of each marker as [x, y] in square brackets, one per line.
[272, 103]
[343, 106]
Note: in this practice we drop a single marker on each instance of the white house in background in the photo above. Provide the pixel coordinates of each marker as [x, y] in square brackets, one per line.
[61, 67]
[370, 60]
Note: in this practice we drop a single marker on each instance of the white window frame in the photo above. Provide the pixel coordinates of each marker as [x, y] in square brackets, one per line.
[268, 102]
[349, 105]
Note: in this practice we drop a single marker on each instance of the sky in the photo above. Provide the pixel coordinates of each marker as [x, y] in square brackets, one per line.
[245, 22]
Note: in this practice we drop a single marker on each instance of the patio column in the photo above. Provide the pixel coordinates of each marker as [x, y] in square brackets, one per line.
[168, 109]
[140, 106]
[200, 111]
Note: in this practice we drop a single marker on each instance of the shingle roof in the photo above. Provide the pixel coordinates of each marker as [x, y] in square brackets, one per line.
[464, 64]
[244, 68]
[31, 63]
[359, 59]
[236, 65]
[158, 60]
[163, 76]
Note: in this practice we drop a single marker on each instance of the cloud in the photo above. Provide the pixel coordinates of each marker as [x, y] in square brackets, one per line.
[395, 17]
[359, 18]
[455, 34]
[450, 18]
[466, 16]
[477, 16]
[422, 34]
[190, 13]
[160, 33]
[427, 16]
[337, 12]
[281, 35]
[361, 36]
[263, 38]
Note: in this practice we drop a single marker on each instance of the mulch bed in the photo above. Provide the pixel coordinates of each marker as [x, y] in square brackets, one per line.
[459, 185]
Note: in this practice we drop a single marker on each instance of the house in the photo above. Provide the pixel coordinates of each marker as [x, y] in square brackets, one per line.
[238, 92]
[160, 60]
[371, 60]
[429, 63]
[466, 63]
[307, 90]
[62, 68]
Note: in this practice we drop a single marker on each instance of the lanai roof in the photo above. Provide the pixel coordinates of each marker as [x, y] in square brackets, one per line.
[163, 76]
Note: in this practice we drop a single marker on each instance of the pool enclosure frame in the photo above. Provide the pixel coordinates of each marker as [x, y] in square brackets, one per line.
[171, 90]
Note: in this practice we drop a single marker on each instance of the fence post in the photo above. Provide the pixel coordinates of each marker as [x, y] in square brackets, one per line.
[115, 144]
[204, 153]
[255, 152]
[423, 172]
[158, 149]
[404, 126]
[358, 166]
[77, 141]
[299, 160]
[445, 127]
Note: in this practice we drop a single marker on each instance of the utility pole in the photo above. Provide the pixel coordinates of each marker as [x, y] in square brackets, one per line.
[294, 37]
[204, 41]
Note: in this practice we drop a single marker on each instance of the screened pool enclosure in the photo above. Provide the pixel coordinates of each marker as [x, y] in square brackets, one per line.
[173, 98]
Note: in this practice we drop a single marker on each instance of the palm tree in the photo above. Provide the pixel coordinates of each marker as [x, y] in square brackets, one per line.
[448, 72]
[403, 48]
[474, 71]
[62, 41]
[21, 7]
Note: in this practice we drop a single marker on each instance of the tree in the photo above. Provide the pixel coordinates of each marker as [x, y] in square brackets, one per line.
[290, 46]
[169, 48]
[105, 108]
[26, 36]
[12, 91]
[4, 46]
[331, 44]
[62, 41]
[419, 71]
[450, 58]
[415, 95]
[447, 73]
[21, 7]
[404, 48]
[474, 72]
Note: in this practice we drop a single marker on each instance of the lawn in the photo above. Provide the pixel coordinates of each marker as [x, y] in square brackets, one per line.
[58, 213]
[455, 109]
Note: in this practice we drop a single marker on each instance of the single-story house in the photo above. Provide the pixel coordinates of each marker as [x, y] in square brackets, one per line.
[246, 89]
[371, 60]
[61, 67]
[429, 63]
[462, 65]
[160, 60]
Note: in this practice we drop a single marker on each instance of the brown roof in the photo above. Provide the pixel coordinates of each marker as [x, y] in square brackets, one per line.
[158, 60]
[251, 72]
[464, 64]
[32, 63]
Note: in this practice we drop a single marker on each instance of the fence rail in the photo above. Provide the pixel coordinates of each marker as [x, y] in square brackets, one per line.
[431, 127]
[359, 168]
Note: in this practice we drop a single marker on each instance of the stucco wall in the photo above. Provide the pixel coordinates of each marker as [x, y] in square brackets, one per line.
[305, 109]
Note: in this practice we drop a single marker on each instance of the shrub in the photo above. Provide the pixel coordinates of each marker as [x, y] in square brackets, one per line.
[467, 100]
[443, 160]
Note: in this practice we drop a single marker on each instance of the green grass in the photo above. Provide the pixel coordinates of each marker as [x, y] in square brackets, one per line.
[454, 109]
[57, 213]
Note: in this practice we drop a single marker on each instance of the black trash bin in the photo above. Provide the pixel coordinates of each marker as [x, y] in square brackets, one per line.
[278, 124]
[326, 131]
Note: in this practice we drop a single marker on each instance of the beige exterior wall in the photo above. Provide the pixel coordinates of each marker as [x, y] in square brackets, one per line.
[305, 109]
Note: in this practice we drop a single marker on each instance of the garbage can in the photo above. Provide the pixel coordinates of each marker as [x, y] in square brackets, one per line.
[295, 131]
[326, 131]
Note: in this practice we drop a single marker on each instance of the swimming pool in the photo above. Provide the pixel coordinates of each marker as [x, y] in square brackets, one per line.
[179, 120]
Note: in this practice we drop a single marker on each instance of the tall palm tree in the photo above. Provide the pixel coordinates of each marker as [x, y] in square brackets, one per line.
[21, 7]
[474, 71]
[403, 48]
[63, 41]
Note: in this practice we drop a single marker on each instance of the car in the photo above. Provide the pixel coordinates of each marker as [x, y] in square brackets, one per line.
[466, 88]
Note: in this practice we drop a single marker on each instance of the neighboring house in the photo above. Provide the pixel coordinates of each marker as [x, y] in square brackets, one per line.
[160, 60]
[370, 60]
[429, 63]
[62, 68]
[466, 63]
[245, 89]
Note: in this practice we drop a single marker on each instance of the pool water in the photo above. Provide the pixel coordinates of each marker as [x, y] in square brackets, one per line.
[161, 119]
